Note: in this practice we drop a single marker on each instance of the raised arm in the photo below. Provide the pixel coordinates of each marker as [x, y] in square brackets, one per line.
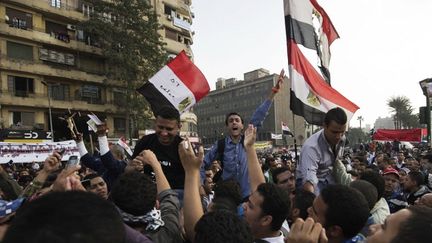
[261, 112]
[192, 209]
[50, 165]
[256, 176]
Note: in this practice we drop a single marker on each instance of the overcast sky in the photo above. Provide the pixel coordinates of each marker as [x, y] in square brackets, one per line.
[385, 47]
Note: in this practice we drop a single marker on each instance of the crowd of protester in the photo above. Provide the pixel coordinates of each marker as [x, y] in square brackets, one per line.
[170, 191]
[92, 203]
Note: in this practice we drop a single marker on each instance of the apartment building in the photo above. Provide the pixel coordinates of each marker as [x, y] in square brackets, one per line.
[48, 66]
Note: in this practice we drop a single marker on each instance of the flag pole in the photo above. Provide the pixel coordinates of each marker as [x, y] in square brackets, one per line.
[295, 140]
[91, 144]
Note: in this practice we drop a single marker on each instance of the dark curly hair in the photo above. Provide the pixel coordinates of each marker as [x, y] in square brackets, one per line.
[337, 115]
[417, 227]
[135, 193]
[227, 196]
[222, 226]
[228, 189]
[375, 179]
[346, 208]
[303, 200]
[276, 203]
[71, 216]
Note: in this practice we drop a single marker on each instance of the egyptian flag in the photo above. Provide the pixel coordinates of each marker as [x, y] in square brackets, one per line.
[123, 143]
[308, 25]
[179, 84]
[286, 130]
[311, 94]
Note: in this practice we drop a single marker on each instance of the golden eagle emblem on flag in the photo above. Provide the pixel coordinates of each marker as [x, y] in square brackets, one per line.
[313, 99]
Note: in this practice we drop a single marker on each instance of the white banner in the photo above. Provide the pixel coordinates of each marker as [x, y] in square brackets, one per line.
[35, 152]
[276, 136]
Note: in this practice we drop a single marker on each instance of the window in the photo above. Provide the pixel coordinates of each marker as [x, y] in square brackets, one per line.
[91, 94]
[168, 9]
[120, 124]
[87, 10]
[22, 118]
[188, 41]
[119, 97]
[58, 31]
[91, 64]
[19, 51]
[170, 34]
[19, 19]
[57, 57]
[59, 91]
[21, 86]
[56, 3]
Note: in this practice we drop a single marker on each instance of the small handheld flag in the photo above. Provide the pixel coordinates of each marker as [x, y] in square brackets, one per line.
[179, 84]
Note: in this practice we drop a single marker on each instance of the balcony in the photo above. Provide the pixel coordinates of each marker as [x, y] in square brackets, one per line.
[45, 38]
[176, 47]
[68, 9]
[35, 68]
[183, 24]
[180, 6]
[40, 100]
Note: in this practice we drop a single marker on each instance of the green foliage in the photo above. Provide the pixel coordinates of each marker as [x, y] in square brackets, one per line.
[126, 31]
[402, 111]
[356, 136]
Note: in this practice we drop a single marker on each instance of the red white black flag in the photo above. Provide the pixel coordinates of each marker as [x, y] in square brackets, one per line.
[309, 35]
[179, 84]
[286, 130]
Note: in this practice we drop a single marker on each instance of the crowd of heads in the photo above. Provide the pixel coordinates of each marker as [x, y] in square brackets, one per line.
[78, 205]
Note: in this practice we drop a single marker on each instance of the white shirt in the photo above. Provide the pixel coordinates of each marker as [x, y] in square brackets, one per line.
[277, 239]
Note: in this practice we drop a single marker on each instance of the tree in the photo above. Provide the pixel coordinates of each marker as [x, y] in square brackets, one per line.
[126, 31]
[356, 136]
[402, 109]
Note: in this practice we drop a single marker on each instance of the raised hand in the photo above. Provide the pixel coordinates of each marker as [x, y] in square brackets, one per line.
[101, 129]
[52, 163]
[249, 136]
[190, 161]
[147, 157]
[306, 232]
[65, 179]
[78, 137]
[135, 165]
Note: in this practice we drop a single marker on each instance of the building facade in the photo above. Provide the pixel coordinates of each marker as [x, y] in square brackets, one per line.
[48, 66]
[384, 123]
[243, 97]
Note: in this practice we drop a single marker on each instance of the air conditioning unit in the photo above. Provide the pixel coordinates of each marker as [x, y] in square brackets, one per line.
[71, 27]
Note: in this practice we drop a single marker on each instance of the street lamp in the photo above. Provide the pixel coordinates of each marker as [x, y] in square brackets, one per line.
[426, 86]
[49, 87]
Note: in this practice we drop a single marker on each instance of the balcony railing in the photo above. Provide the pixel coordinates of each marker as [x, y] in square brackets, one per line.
[59, 39]
[64, 8]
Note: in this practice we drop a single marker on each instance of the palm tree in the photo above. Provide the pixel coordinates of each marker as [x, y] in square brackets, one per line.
[400, 106]
[360, 119]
